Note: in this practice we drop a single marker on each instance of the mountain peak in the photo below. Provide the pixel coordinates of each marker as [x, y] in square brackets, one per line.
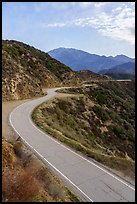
[81, 60]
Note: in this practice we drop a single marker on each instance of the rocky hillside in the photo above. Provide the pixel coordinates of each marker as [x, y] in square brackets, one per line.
[87, 76]
[26, 70]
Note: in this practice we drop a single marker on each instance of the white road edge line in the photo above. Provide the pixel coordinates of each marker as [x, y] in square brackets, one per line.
[50, 163]
[67, 147]
[82, 156]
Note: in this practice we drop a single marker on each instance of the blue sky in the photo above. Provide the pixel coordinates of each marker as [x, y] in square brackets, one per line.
[104, 28]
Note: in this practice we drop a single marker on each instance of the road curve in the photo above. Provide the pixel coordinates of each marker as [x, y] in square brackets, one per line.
[91, 182]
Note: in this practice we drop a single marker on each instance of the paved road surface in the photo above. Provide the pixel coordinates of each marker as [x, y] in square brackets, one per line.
[90, 181]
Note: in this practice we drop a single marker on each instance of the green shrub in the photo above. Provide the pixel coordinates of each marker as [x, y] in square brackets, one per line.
[101, 98]
[119, 131]
[101, 112]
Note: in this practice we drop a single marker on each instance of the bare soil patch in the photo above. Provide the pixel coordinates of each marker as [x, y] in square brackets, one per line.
[7, 108]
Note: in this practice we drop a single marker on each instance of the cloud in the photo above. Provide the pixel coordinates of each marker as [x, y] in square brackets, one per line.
[90, 4]
[100, 4]
[40, 6]
[119, 24]
[85, 4]
[59, 25]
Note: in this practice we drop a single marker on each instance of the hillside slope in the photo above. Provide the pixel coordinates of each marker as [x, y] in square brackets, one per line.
[26, 70]
[88, 76]
[99, 121]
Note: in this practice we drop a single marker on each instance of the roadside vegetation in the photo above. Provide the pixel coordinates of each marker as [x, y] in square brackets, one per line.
[26, 179]
[98, 121]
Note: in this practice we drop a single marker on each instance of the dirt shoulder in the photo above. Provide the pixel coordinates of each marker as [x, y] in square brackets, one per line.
[7, 108]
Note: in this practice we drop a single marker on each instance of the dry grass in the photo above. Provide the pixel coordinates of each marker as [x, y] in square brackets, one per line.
[18, 184]
[26, 179]
[53, 122]
[22, 189]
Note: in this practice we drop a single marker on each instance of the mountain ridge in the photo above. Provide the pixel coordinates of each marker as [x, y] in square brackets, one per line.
[127, 68]
[79, 59]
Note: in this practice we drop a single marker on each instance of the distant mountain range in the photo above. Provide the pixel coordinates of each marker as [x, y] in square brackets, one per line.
[122, 71]
[127, 68]
[81, 60]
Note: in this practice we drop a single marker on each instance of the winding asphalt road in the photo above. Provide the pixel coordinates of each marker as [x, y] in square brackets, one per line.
[90, 181]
